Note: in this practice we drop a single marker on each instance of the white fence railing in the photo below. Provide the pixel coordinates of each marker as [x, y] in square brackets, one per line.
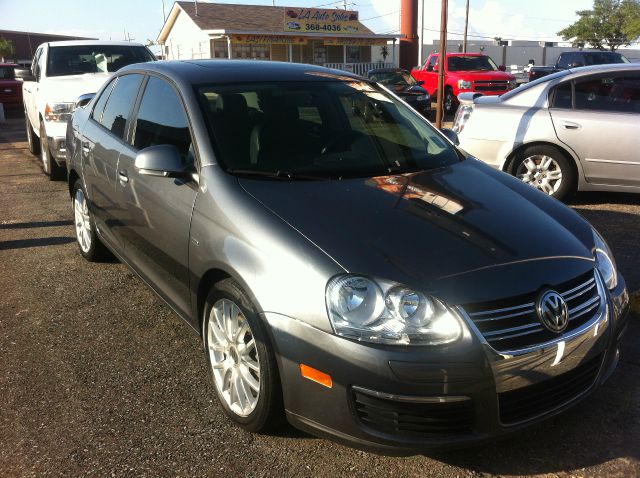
[358, 68]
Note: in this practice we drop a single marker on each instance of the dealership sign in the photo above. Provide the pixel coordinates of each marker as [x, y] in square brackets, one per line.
[273, 39]
[317, 20]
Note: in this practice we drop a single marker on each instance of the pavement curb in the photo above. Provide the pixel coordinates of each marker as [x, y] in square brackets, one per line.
[634, 301]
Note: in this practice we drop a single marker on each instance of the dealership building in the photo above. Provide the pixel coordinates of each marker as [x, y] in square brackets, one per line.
[334, 38]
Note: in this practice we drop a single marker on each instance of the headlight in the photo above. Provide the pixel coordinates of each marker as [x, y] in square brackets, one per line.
[423, 98]
[465, 84]
[377, 311]
[606, 262]
[58, 111]
[513, 84]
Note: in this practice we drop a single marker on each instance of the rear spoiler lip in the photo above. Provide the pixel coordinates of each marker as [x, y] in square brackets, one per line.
[468, 98]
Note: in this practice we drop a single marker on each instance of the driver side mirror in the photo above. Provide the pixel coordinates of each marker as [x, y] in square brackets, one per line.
[451, 135]
[161, 160]
[24, 74]
[420, 82]
[83, 100]
[502, 68]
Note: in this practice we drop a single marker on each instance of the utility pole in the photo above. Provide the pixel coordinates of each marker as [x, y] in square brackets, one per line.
[442, 60]
[466, 26]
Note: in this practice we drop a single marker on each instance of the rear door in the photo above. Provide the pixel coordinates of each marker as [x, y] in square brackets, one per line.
[154, 211]
[598, 117]
[103, 140]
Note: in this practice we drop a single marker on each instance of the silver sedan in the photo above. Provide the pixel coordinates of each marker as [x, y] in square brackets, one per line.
[574, 130]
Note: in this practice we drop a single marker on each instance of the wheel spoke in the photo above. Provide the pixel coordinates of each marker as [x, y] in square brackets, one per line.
[530, 164]
[249, 379]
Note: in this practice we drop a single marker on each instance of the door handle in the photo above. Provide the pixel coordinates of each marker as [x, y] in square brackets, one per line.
[570, 125]
[122, 176]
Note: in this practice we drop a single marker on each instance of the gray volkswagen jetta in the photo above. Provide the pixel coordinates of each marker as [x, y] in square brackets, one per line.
[346, 265]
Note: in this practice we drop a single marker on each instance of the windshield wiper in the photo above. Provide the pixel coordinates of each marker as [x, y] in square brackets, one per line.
[286, 175]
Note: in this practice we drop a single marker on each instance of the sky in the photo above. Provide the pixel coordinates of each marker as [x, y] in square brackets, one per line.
[142, 19]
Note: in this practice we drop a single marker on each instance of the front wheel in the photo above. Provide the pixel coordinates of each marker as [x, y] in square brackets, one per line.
[241, 361]
[547, 169]
[49, 164]
[450, 102]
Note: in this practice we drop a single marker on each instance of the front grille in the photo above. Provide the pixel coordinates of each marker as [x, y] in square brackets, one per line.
[411, 419]
[490, 85]
[513, 324]
[528, 402]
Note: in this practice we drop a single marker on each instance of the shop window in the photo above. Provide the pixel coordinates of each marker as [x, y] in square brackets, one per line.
[353, 54]
[319, 53]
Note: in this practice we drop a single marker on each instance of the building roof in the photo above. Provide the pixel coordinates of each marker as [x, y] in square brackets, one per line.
[236, 18]
[227, 16]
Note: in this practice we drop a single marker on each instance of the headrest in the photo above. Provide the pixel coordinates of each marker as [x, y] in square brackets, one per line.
[232, 105]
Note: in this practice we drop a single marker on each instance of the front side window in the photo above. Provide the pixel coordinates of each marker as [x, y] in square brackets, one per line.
[471, 63]
[80, 59]
[161, 119]
[324, 129]
[619, 94]
[118, 108]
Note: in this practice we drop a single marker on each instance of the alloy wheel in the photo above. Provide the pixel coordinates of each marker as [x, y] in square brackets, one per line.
[542, 172]
[233, 357]
[82, 220]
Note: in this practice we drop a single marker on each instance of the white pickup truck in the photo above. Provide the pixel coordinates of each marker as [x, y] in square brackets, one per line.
[60, 73]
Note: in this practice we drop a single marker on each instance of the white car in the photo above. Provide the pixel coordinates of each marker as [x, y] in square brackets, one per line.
[575, 129]
[60, 73]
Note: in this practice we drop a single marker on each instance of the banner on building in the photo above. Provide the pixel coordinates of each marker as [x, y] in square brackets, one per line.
[318, 20]
[273, 39]
[355, 41]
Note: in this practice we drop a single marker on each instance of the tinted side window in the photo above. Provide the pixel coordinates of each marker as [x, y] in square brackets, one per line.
[102, 100]
[162, 119]
[619, 94]
[563, 96]
[118, 108]
[566, 59]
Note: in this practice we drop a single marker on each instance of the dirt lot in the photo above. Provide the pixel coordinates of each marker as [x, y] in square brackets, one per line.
[99, 378]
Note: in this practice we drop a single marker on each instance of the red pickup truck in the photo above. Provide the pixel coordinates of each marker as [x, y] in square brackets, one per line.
[464, 72]
[10, 88]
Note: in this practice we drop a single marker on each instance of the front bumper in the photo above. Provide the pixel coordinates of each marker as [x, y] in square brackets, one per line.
[404, 399]
[56, 138]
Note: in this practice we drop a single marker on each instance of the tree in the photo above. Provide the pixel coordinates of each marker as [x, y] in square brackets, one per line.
[610, 24]
[384, 51]
[6, 48]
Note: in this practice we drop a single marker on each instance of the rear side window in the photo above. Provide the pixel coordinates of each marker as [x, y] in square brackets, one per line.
[563, 96]
[102, 100]
[162, 119]
[118, 108]
[616, 94]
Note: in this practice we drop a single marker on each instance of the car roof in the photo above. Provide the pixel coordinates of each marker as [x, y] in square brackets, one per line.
[93, 42]
[606, 68]
[237, 71]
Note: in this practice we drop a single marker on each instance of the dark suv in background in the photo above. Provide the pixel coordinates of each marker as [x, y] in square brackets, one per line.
[576, 59]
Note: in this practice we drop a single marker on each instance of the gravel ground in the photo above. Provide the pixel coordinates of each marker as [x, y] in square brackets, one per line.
[99, 378]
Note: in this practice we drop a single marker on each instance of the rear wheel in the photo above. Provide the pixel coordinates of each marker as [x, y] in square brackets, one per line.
[49, 164]
[450, 101]
[34, 145]
[90, 246]
[547, 169]
[241, 361]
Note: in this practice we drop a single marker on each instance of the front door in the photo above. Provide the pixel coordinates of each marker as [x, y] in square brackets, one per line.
[602, 126]
[155, 211]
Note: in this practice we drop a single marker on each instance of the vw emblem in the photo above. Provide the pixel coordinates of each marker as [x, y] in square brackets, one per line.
[552, 311]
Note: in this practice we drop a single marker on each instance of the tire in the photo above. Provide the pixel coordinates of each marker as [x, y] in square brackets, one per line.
[450, 101]
[233, 363]
[547, 169]
[88, 241]
[49, 165]
[34, 146]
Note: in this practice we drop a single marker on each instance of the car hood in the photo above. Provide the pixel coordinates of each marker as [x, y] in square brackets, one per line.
[485, 75]
[69, 88]
[420, 227]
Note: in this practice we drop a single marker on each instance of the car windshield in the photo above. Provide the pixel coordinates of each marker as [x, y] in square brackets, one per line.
[603, 58]
[524, 87]
[319, 130]
[393, 78]
[7, 73]
[80, 59]
[471, 63]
